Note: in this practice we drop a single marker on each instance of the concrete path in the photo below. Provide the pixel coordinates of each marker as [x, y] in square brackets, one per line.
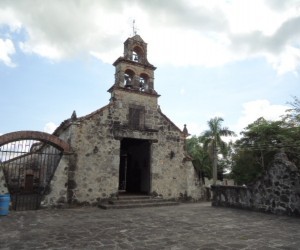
[187, 226]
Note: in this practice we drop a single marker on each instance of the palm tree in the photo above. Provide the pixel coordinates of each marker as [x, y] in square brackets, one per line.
[213, 142]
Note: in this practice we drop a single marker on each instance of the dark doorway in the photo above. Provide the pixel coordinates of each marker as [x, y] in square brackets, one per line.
[134, 174]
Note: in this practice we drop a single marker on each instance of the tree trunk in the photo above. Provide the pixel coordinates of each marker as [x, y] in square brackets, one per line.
[215, 164]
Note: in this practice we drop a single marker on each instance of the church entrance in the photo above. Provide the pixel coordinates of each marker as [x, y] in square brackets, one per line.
[134, 173]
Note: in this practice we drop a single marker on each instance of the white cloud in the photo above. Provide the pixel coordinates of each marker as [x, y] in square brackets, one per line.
[61, 29]
[190, 48]
[43, 50]
[50, 127]
[287, 61]
[200, 33]
[256, 109]
[7, 49]
[256, 15]
[7, 17]
[280, 5]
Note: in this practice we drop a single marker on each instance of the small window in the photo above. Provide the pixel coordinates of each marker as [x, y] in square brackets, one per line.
[136, 117]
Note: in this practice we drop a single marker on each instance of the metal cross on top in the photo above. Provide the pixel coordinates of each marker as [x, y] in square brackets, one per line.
[134, 28]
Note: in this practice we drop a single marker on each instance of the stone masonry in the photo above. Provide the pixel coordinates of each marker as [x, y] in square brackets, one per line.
[129, 145]
[3, 186]
[129, 137]
[278, 191]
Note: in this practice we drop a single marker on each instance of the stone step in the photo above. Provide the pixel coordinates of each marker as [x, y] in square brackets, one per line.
[135, 200]
[129, 200]
[138, 205]
[134, 197]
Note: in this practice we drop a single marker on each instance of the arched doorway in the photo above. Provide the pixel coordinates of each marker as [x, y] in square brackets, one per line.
[29, 160]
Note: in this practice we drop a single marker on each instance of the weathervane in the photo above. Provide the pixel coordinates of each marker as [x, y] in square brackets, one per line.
[134, 28]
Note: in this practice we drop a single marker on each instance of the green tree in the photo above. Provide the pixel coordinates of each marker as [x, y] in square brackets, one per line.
[244, 167]
[256, 149]
[213, 143]
[260, 141]
[201, 160]
[292, 116]
[292, 131]
[264, 137]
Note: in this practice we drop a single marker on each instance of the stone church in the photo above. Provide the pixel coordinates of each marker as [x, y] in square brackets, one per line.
[128, 145]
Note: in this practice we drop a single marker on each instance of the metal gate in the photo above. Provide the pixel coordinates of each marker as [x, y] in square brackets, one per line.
[28, 167]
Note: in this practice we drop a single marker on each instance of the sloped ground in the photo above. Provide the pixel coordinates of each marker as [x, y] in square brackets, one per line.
[187, 226]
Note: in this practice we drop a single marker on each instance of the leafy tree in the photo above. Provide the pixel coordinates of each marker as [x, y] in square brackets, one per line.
[255, 150]
[201, 160]
[260, 141]
[264, 137]
[292, 117]
[214, 144]
[245, 168]
[292, 131]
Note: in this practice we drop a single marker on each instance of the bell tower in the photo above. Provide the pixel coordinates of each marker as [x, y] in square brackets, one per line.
[133, 71]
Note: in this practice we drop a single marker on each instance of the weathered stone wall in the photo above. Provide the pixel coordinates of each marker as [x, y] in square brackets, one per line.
[97, 158]
[3, 185]
[172, 177]
[93, 172]
[169, 174]
[57, 195]
[278, 191]
[195, 188]
[124, 99]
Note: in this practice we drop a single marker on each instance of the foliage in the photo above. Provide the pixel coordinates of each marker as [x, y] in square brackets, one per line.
[214, 144]
[205, 149]
[264, 138]
[292, 116]
[201, 160]
[212, 136]
[255, 150]
[251, 155]
[245, 168]
[260, 141]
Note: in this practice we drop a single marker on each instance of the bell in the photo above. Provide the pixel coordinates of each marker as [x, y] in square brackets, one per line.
[136, 58]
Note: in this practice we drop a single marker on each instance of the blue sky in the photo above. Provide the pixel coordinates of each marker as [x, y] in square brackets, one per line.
[238, 59]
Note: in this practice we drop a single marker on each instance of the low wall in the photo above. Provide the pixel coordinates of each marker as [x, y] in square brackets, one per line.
[277, 192]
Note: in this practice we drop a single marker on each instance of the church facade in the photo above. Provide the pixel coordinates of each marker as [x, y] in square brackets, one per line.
[129, 145]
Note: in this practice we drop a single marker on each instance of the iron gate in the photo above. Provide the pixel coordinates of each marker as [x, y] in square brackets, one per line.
[28, 167]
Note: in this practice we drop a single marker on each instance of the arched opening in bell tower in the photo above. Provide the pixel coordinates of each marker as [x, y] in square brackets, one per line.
[144, 78]
[128, 78]
[137, 54]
